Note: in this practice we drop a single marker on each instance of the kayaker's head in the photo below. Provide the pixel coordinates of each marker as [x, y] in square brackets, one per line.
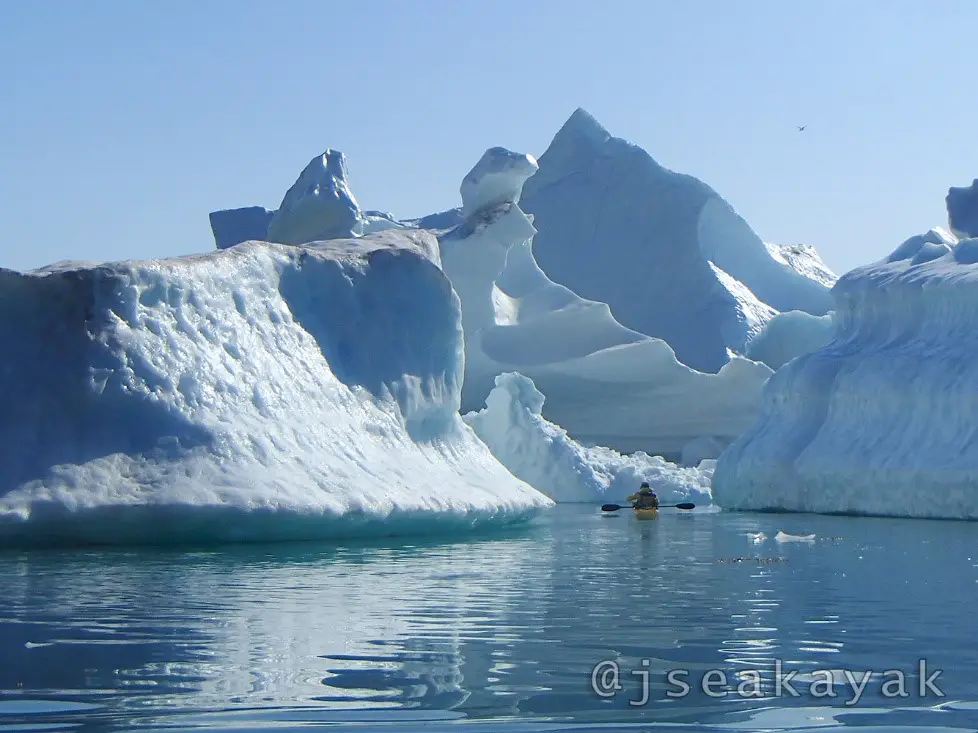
[645, 488]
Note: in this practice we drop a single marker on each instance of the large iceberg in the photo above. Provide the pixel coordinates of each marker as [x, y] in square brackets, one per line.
[258, 392]
[883, 419]
[543, 455]
[662, 249]
[605, 384]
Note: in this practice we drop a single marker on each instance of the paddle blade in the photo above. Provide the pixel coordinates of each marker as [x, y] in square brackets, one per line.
[685, 506]
[611, 507]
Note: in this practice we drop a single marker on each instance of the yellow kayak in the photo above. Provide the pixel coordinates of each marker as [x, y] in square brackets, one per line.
[648, 513]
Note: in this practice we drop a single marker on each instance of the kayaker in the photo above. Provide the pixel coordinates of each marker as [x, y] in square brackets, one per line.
[644, 498]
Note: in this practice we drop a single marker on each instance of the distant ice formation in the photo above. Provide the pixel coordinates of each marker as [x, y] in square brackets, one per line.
[882, 418]
[962, 210]
[234, 226]
[253, 393]
[543, 455]
[319, 205]
[662, 249]
[604, 384]
[665, 251]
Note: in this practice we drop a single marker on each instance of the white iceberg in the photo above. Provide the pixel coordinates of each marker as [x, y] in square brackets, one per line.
[318, 206]
[687, 385]
[254, 393]
[605, 384]
[660, 248]
[882, 419]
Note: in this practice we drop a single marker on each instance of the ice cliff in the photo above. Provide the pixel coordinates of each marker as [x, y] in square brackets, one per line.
[883, 419]
[253, 393]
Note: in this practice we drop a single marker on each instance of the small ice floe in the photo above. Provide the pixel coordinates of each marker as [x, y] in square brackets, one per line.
[757, 537]
[783, 536]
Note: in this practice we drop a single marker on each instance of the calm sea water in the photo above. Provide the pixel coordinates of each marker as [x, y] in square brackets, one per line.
[502, 633]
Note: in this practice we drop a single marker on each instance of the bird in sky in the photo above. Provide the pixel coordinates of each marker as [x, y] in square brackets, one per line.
[801, 127]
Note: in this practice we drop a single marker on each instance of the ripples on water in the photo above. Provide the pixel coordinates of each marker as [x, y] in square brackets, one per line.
[500, 633]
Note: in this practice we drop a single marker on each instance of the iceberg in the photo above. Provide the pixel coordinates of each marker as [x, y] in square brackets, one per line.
[543, 455]
[234, 226]
[604, 383]
[660, 248]
[881, 420]
[687, 384]
[962, 210]
[259, 392]
[318, 206]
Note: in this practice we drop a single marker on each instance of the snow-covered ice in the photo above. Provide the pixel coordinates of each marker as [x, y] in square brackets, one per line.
[882, 419]
[804, 260]
[258, 392]
[543, 455]
[605, 384]
[495, 180]
[669, 256]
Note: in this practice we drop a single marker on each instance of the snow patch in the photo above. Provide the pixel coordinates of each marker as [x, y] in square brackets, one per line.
[804, 260]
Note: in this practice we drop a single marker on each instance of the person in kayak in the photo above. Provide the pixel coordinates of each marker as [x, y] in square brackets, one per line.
[644, 498]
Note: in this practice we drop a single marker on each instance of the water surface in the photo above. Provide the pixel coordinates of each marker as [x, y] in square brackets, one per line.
[502, 633]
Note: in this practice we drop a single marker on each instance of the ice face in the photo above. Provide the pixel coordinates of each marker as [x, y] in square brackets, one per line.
[253, 393]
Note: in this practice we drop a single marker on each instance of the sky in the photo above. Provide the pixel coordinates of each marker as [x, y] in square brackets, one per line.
[123, 124]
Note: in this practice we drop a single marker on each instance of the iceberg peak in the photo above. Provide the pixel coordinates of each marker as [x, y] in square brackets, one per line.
[319, 206]
[583, 124]
[495, 180]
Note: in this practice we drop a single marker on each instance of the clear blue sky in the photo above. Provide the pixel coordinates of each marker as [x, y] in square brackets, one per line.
[125, 123]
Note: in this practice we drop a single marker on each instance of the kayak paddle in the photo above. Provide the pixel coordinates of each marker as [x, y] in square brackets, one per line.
[616, 507]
